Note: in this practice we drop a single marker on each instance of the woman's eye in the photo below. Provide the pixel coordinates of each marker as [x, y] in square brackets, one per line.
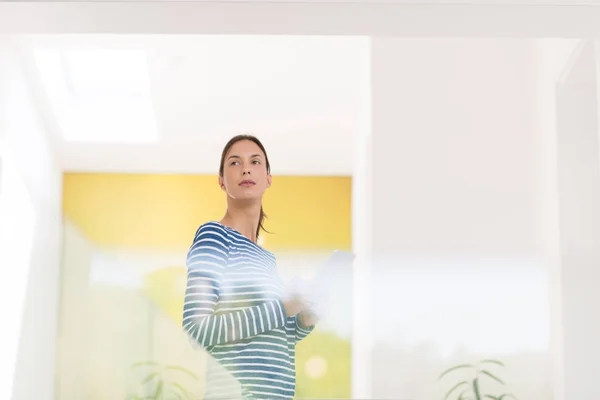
[234, 162]
[256, 162]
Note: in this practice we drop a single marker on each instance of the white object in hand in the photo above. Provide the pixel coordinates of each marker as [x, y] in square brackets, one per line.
[313, 292]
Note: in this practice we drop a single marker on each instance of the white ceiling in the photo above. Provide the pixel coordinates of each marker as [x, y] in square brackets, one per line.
[304, 97]
[436, 18]
[472, 18]
[581, 67]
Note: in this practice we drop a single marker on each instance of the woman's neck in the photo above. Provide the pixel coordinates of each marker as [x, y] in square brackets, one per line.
[243, 218]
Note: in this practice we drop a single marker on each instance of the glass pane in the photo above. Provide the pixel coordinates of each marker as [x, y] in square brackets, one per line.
[125, 244]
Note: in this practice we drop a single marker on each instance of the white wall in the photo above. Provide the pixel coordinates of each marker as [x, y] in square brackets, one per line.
[579, 195]
[553, 57]
[30, 287]
[458, 262]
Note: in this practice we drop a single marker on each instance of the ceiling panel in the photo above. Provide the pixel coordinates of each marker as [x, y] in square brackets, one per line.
[303, 96]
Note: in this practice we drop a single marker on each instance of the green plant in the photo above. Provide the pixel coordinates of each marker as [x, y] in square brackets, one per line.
[160, 382]
[471, 389]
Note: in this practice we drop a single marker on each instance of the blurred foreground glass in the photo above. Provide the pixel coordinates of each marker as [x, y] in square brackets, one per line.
[124, 277]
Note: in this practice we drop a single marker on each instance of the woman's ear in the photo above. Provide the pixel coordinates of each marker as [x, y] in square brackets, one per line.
[221, 183]
[269, 180]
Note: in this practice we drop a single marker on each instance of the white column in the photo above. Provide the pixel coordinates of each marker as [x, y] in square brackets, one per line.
[454, 221]
[30, 238]
[10, 342]
[17, 224]
[579, 199]
[4, 52]
[552, 57]
[361, 240]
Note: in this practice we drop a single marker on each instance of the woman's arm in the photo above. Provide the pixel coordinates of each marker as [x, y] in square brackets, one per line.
[305, 324]
[206, 262]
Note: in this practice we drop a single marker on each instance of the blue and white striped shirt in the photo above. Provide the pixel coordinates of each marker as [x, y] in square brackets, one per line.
[233, 308]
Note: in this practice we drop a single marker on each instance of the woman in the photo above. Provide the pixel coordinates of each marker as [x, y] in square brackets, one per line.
[235, 303]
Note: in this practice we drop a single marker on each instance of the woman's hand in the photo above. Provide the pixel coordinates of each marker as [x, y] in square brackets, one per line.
[294, 304]
[296, 298]
[308, 300]
[308, 318]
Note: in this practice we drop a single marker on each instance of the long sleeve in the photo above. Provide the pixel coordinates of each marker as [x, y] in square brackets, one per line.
[302, 332]
[206, 263]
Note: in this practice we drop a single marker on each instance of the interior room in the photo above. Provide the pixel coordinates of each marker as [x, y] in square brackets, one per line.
[458, 162]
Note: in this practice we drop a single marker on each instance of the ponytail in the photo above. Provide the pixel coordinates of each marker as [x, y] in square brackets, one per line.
[261, 220]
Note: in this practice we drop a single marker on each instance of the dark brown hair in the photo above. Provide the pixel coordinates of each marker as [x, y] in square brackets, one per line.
[226, 149]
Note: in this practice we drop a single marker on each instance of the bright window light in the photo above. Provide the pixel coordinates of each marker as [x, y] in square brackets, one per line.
[17, 229]
[109, 71]
[99, 95]
[488, 307]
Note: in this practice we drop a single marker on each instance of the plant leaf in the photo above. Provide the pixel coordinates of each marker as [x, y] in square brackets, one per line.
[484, 372]
[488, 361]
[178, 396]
[476, 389]
[489, 396]
[144, 364]
[459, 384]
[159, 389]
[181, 369]
[185, 394]
[136, 397]
[462, 394]
[455, 368]
[506, 396]
[149, 377]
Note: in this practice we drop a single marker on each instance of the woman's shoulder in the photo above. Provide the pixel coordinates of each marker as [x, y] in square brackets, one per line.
[212, 231]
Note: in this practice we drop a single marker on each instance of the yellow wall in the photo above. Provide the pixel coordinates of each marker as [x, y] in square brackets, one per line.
[111, 213]
[162, 212]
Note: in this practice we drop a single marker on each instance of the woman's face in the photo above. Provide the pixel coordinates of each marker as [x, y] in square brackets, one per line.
[245, 174]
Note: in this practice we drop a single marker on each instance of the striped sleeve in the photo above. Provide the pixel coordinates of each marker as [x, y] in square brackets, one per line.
[301, 331]
[206, 262]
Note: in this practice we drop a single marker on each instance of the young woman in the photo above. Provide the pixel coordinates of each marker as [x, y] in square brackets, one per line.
[236, 306]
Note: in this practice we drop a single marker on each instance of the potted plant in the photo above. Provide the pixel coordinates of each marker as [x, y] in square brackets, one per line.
[160, 382]
[472, 389]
